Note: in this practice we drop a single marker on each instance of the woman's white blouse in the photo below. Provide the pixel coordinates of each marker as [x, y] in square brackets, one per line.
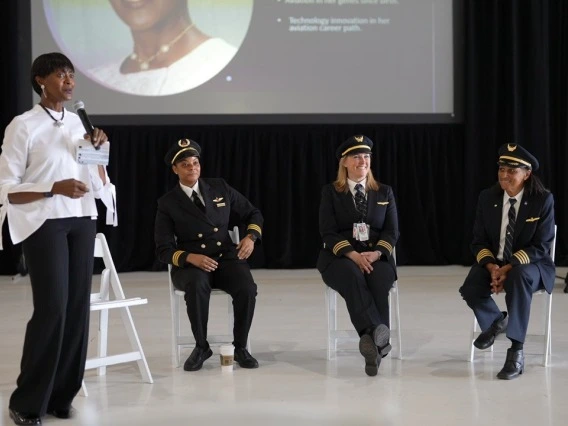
[35, 155]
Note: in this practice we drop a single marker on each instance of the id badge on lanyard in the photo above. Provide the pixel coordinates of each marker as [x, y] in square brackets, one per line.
[361, 231]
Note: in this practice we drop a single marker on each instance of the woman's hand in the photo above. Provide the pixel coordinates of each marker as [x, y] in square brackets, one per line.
[361, 261]
[245, 248]
[202, 262]
[71, 188]
[372, 256]
[99, 137]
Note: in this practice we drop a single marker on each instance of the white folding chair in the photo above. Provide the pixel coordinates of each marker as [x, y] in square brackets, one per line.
[544, 338]
[335, 335]
[180, 341]
[102, 302]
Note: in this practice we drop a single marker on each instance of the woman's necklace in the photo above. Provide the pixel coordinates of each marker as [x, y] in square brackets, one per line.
[144, 63]
[57, 123]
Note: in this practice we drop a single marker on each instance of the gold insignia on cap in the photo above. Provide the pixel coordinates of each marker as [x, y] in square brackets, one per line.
[358, 138]
[511, 147]
[184, 144]
[514, 161]
[356, 147]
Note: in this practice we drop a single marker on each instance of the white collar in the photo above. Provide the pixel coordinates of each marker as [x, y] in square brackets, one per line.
[353, 183]
[517, 197]
[189, 190]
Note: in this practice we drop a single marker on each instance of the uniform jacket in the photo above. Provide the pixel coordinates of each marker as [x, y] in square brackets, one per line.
[182, 228]
[338, 213]
[533, 234]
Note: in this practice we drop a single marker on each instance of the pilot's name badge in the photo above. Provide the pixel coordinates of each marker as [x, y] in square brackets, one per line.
[361, 231]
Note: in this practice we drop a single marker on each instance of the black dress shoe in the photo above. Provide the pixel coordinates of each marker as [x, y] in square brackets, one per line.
[245, 359]
[487, 338]
[381, 336]
[514, 365]
[197, 358]
[24, 418]
[62, 413]
[370, 352]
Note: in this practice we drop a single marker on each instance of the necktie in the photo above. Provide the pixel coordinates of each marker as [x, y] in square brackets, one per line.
[508, 251]
[197, 201]
[360, 201]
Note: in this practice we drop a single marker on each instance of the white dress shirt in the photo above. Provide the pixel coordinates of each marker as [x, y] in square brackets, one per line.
[35, 155]
[190, 190]
[352, 187]
[505, 218]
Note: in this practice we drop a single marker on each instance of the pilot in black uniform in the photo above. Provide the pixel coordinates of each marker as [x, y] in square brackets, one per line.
[191, 233]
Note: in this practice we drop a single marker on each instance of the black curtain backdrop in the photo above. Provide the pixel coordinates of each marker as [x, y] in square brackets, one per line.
[515, 56]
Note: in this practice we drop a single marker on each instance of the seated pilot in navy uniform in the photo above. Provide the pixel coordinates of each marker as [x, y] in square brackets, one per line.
[359, 226]
[512, 237]
[191, 233]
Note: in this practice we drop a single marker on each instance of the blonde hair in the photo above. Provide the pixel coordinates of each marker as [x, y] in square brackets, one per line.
[340, 183]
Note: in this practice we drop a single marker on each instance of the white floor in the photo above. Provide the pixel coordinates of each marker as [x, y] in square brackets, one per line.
[295, 384]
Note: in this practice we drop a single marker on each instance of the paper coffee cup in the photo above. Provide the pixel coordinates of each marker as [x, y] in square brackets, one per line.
[227, 354]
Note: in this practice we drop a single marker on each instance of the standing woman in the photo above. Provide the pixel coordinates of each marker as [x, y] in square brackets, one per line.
[359, 227]
[49, 200]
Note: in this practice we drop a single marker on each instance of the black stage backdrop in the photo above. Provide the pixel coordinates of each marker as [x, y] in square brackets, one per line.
[515, 55]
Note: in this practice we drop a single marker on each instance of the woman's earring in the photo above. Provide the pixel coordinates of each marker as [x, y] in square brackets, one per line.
[43, 91]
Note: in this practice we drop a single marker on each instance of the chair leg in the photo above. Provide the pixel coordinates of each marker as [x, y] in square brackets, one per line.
[103, 339]
[471, 339]
[331, 305]
[394, 304]
[547, 353]
[103, 322]
[135, 344]
[177, 332]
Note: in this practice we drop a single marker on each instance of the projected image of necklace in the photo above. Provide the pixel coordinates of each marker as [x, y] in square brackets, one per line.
[144, 63]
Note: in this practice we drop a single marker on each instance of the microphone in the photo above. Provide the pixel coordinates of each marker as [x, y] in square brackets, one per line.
[79, 108]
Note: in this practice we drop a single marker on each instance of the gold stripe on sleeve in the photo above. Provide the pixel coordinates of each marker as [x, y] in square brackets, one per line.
[253, 227]
[175, 257]
[339, 246]
[523, 257]
[386, 245]
[484, 253]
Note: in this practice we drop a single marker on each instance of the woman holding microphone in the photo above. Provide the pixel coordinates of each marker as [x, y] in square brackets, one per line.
[49, 200]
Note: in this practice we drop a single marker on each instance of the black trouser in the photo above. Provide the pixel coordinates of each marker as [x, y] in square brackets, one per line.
[231, 276]
[522, 281]
[366, 295]
[59, 256]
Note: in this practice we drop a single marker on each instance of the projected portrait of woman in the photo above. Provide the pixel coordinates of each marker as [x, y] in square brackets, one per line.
[152, 47]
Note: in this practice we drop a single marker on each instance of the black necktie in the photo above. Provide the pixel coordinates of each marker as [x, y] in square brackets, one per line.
[360, 201]
[197, 201]
[508, 251]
